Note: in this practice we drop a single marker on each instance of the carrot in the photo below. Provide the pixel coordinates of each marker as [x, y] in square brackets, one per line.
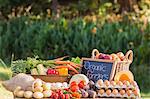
[61, 58]
[61, 66]
[74, 65]
[62, 62]
[73, 69]
[79, 65]
[67, 66]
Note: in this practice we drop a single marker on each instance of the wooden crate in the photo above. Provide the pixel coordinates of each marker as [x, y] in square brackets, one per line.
[52, 78]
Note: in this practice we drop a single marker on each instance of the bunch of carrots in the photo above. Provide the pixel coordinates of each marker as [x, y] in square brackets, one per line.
[67, 64]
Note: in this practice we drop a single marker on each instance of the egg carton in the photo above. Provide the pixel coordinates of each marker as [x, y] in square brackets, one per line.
[118, 95]
[116, 86]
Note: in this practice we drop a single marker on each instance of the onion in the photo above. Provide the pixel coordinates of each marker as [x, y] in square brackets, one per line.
[47, 93]
[38, 89]
[38, 95]
[28, 94]
[46, 86]
[37, 83]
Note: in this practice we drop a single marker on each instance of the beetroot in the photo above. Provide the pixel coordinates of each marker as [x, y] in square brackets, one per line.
[101, 56]
[108, 57]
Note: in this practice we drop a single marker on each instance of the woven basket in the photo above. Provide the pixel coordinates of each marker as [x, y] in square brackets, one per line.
[121, 65]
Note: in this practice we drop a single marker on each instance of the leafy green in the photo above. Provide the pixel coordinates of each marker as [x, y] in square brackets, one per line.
[19, 66]
[76, 60]
[24, 66]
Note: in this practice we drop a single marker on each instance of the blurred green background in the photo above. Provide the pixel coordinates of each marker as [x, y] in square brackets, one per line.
[53, 28]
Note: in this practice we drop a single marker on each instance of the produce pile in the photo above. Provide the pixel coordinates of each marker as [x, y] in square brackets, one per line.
[114, 56]
[77, 85]
[117, 89]
[35, 66]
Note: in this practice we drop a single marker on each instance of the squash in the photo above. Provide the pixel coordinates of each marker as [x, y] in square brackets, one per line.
[124, 76]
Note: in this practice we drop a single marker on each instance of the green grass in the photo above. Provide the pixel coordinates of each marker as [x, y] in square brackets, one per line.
[145, 95]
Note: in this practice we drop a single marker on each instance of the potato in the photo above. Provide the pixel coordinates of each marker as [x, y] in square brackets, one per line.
[47, 93]
[38, 89]
[46, 86]
[38, 95]
[38, 83]
[16, 90]
[20, 94]
[28, 94]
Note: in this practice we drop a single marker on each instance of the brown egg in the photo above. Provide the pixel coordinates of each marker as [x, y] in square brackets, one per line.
[107, 83]
[135, 92]
[127, 83]
[119, 83]
[101, 91]
[113, 83]
[100, 82]
[122, 92]
[115, 91]
[108, 92]
[129, 92]
[134, 83]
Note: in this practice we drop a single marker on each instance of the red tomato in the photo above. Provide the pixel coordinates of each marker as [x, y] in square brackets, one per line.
[53, 94]
[59, 92]
[67, 96]
[67, 89]
[62, 96]
[74, 88]
[73, 84]
[81, 84]
[56, 96]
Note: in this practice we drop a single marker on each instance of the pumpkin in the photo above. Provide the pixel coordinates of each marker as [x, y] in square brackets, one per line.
[124, 76]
